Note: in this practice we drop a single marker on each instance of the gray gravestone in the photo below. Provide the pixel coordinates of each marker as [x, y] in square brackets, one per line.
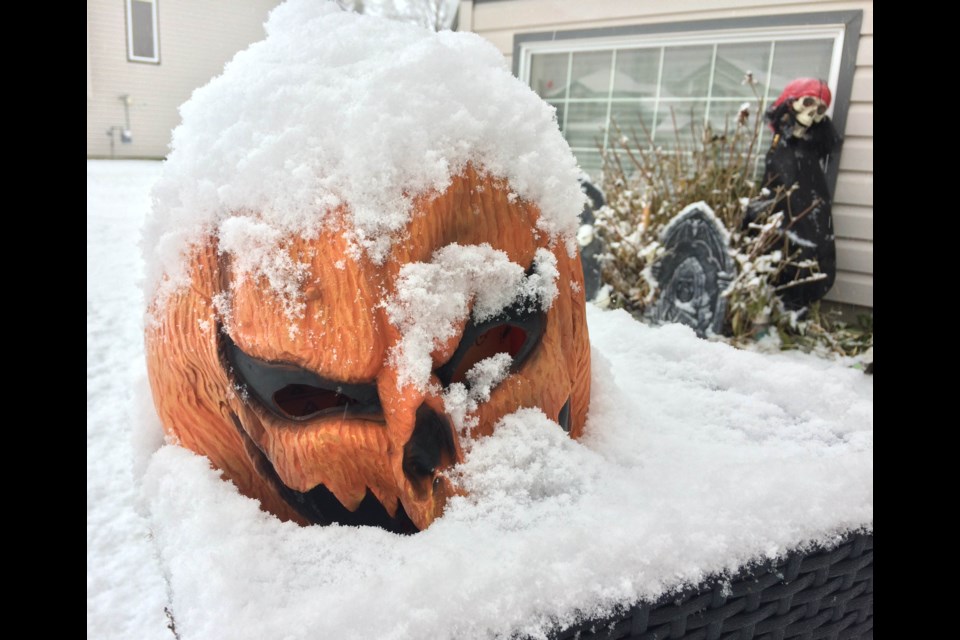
[694, 271]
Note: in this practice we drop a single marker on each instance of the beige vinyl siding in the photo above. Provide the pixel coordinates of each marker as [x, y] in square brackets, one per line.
[498, 21]
[195, 39]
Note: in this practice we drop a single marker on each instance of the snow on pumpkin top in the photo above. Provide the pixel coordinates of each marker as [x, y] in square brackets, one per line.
[335, 109]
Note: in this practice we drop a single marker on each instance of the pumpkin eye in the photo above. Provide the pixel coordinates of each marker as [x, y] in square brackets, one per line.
[294, 393]
[516, 331]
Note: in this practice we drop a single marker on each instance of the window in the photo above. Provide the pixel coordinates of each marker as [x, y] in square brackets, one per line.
[142, 42]
[684, 71]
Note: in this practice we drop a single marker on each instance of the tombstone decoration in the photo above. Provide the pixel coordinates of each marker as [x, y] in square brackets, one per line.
[803, 141]
[590, 244]
[694, 271]
[332, 364]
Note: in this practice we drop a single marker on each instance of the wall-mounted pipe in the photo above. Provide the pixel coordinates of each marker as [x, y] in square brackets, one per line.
[126, 135]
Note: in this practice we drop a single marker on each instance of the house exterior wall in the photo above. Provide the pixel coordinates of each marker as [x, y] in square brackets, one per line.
[195, 39]
[500, 20]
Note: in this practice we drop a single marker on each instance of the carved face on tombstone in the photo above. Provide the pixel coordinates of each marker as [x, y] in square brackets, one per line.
[688, 292]
[694, 271]
[310, 413]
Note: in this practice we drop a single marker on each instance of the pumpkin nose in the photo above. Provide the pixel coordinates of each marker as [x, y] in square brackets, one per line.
[430, 448]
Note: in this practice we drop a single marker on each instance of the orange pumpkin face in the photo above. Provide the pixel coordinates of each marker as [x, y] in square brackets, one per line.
[310, 411]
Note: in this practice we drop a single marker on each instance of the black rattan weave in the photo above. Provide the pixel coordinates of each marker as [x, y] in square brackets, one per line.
[807, 596]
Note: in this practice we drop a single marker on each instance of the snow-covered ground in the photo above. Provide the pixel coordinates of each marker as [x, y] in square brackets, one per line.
[125, 588]
[697, 458]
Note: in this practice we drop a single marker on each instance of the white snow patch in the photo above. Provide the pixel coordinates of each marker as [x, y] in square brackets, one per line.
[461, 400]
[339, 110]
[709, 214]
[585, 235]
[433, 298]
[126, 592]
[258, 250]
[803, 242]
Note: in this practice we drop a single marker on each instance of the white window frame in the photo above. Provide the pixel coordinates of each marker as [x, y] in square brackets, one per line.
[713, 38]
[718, 37]
[155, 59]
[842, 27]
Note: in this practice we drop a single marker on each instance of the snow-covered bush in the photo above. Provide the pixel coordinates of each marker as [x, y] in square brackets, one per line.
[647, 184]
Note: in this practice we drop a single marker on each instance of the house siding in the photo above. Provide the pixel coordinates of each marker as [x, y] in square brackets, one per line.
[195, 40]
[499, 21]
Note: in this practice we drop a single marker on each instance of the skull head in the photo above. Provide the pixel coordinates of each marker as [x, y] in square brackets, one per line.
[313, 413]
[809, 109]
[809, 98]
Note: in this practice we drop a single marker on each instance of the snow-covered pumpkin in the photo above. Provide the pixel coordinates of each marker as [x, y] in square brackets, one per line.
[361, 255]
[310, 413]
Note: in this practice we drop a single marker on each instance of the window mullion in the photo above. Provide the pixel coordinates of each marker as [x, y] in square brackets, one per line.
[762, 107]
[713, 69]
[606, 129]
[566, 94]
[656, 103]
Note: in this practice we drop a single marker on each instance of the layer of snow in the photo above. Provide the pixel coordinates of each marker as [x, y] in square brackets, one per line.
[334, 109]
[125, 589]
[708, 213]
[461, 401]
[697, 458]
[434, 298]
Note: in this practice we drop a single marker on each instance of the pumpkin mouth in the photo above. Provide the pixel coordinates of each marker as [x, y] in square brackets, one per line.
[304, 400]
[297, 395]
[318, 505]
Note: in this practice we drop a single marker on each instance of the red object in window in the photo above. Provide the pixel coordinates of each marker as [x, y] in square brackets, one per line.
[805, 87]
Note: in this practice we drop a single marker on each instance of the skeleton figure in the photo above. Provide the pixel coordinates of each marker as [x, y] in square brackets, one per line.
[804, 139]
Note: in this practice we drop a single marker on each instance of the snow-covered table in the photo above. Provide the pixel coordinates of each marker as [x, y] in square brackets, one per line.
[698, 460]
[819, 593]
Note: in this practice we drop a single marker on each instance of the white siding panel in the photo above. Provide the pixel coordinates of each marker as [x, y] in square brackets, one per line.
[860, 120]
[857, 155]
[523, 14]
[852, 288]
[867, 27]
[865, 51]
[862, 90]
[855, 255]
[465, 16]
[195, 39]
[854, 188]
[502, 40]
[855, 223]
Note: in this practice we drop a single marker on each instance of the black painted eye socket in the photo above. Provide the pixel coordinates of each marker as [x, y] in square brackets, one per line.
[293, 393]
[809, 102]
[517, 331]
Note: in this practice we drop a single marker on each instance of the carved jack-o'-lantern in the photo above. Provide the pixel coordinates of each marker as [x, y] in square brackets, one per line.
[363, 256]
[311, 413]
